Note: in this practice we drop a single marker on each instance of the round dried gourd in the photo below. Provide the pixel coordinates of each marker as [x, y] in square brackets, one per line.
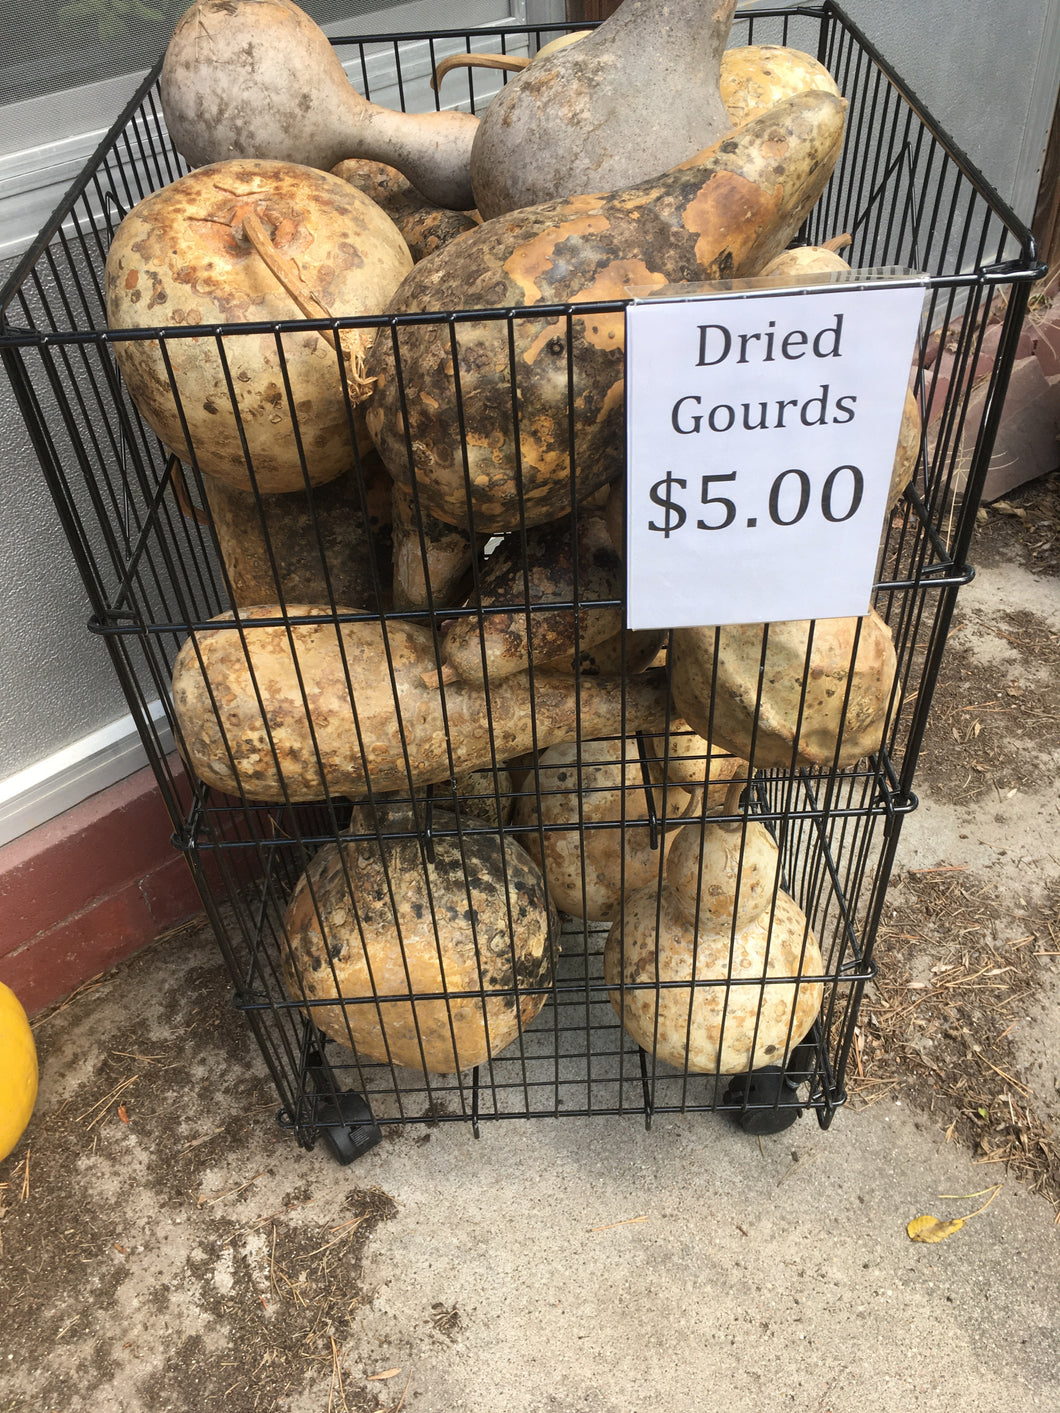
[752, 1006]
[812, 693]
[755, 77]
[688, 759]
[723, 869]
[247, 242]
[572, 831]
[372, 921]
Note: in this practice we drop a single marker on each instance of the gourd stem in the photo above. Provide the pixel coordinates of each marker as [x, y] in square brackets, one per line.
[732, 805]
[175, 472]
[838, 243]
[289, 276]
[511, 62]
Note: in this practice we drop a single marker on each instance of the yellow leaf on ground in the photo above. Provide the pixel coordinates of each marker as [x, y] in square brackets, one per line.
[931, 1229]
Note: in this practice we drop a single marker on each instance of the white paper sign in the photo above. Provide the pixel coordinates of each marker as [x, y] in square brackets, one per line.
[761, 433]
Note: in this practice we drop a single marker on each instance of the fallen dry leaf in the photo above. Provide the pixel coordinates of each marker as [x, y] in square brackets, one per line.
[386, 1374]
[931, 1229]
[123, 1113]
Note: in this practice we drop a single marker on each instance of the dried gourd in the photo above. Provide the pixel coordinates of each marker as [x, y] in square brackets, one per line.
[374, 920]
[258, 78]
[584, 817]
[813, 693]
[277, 712]
[251, 242]
[727, 212]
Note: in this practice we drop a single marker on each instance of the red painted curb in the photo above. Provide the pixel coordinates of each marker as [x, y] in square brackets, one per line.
[89, 888]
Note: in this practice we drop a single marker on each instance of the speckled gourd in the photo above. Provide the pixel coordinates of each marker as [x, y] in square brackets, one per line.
[585, 788]
[752, 1006]
[273, 712]
[373, 921]
[726, 212]
[799, 693]
[251, 242]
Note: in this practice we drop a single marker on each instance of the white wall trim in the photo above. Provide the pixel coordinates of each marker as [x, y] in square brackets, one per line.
[51, 786]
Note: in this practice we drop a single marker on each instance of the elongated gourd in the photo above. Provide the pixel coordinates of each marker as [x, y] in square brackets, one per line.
[274, 712]
[591, 117]
[258, 78]
[727, 212]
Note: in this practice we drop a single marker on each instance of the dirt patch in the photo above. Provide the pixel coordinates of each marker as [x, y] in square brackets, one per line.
[969, 982]
[153, 1140]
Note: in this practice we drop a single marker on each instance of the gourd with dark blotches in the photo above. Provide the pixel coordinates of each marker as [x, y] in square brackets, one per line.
[726, 212]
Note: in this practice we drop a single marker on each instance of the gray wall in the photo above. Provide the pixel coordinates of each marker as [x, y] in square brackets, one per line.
[55, 680]
[988, 71]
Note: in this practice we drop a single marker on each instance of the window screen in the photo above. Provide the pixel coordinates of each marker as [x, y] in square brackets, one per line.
[53, 45]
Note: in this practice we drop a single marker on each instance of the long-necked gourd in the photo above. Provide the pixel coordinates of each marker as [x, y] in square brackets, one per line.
[726, 212]
[275, 712]
[258, 78]
[592, 116]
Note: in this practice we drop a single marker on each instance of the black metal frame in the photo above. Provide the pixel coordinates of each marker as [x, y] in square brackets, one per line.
[153, 574]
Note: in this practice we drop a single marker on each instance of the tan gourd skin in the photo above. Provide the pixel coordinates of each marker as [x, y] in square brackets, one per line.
[267, 748]
[719, 869]
[796, 709]
[727, 214]
[589, 117]
[184, 256]
[727, 1028]
[258, 78]
[608, 786]
[756, 76]
[370, 920]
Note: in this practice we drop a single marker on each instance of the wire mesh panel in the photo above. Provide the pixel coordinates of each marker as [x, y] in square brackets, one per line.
[472, 849]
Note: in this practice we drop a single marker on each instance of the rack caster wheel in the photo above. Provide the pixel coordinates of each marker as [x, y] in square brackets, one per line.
[354, 1132]
[768, 1087]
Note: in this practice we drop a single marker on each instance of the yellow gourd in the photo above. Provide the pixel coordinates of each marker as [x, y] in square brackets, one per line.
[18, 1071]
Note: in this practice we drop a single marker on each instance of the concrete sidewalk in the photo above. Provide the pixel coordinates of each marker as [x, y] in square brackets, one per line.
[180, 1252]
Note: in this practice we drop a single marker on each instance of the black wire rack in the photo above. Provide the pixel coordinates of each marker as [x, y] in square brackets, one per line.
[143, 528]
